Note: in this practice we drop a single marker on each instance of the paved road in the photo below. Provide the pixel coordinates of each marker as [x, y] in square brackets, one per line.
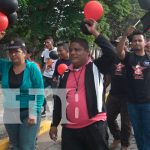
[44, 143]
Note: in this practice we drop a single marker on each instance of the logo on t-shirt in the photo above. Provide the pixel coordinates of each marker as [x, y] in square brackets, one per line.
[146, 63]
[138, 71]
[119, 69]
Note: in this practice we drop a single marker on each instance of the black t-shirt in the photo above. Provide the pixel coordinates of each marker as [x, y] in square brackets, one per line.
[15, 80]
[118, 79]
[138, 75]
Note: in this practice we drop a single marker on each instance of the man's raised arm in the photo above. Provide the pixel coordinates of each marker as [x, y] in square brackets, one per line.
[121, 45]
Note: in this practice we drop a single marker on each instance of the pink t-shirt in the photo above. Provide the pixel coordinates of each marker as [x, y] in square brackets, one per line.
[77, 113]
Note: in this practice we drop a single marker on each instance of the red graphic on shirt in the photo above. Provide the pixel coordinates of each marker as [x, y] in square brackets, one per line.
[138, 71]
[119, 69]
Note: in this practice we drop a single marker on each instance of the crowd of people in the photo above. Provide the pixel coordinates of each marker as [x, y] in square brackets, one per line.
[124, 64]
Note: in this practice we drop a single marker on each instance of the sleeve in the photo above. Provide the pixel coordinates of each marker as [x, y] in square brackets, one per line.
[3, 64]
[105, 62]
[42, 59]
[38, 87]
[57, 109]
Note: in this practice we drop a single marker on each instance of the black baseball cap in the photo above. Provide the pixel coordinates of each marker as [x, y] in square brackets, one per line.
[16, 44]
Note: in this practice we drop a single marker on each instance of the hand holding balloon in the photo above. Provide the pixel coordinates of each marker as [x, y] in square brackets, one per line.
[62, 68]
[84, 28]
[91, 26]
[88, 27]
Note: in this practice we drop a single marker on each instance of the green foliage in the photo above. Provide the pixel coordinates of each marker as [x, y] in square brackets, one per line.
[61, 19]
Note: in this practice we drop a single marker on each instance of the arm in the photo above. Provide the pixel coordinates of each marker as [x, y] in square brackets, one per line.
[120, 48]
[42, 59]
[38, 86]
[42, 62]
[121, 45]
[103, 63]
[56, 118]
[56, 111]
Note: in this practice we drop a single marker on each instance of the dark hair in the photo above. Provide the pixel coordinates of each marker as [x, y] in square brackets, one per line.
[81, 42]
[65, 45]
[49, 38]
[135, 33]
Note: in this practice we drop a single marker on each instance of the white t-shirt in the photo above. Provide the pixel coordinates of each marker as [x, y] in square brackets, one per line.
[48, 72]
[46, 52]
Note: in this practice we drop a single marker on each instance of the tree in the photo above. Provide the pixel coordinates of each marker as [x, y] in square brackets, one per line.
[61, 19]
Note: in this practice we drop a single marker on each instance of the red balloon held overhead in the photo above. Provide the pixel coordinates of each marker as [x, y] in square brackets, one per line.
[3, 22]
[93, 10]
[62, 68]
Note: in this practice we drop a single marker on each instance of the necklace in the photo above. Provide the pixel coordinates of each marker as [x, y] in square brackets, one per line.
[77, 79]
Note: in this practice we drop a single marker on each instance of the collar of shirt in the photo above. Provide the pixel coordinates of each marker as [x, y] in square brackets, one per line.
[72, 69]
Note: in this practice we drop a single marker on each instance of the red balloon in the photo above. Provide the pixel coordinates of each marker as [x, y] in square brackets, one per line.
[62, 68]
[93, 10]
[3, 22]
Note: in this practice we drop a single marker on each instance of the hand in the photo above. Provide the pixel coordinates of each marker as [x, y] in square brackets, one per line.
[92, 26]
[55, 79]
[31, 120]
[2, 34]
[53, 133]
[129, 31]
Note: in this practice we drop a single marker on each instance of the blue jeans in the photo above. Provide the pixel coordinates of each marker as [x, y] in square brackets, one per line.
[22, 136]
[140, 119]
